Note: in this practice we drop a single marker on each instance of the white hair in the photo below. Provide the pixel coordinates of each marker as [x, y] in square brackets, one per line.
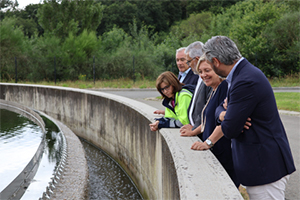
[195, 49]
[179, 50]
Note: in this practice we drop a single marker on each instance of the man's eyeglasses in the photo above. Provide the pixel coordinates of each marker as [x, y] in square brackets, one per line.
[165, 88]
[189, 61]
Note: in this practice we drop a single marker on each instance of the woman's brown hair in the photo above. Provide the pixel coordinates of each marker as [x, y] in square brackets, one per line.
[170, 79]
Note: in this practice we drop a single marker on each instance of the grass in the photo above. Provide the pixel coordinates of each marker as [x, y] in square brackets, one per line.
[286, 81]
[288, 101]
[86, 84]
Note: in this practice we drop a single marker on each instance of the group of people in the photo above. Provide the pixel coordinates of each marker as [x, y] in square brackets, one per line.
[229, 104]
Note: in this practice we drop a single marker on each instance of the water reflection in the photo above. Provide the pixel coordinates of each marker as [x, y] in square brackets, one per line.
[49, 161]
[106, 178]
[19, 141]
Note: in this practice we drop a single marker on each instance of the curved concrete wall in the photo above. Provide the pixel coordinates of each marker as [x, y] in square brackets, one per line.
[160, 163]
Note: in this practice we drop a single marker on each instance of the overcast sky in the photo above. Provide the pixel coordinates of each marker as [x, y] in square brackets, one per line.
[24, 3]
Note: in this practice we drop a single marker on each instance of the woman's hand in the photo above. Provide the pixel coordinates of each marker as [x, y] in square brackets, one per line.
[200, 146]
[154, 126]
[159, 112]
[222, 116]
[186, 130]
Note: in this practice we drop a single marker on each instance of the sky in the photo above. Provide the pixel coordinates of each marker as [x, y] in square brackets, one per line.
[24, 3]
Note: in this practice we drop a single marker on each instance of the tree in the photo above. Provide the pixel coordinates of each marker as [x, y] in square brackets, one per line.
[196, 24]
[76, 52]
[283, 39]
[64, 17]
[12, 45]
[8, 3]
[26, 19]
[117, 14]
[215, 7]
[245, 23]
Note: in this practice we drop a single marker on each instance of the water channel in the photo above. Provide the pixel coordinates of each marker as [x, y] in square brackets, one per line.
[20, 138]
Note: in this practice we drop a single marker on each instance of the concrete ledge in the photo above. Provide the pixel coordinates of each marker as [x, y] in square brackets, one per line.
[72, 181]
[291, 113]
[161, 164]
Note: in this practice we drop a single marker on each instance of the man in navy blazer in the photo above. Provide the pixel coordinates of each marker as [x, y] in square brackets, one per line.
[261, 153]
[186, 75]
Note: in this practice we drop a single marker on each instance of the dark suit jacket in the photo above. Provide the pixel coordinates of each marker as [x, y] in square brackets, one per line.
[262, 154]
[200, 97]
[190, 78]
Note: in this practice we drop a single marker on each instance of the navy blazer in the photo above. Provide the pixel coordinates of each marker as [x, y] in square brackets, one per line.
[262, 154]
[190, 78]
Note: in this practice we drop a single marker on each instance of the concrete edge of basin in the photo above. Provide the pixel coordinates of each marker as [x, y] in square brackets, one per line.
[72, 181]
[199, 174]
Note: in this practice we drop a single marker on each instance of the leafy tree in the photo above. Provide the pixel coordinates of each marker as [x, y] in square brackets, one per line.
[215, 7]
[118, 14]
[77, 50]
[30, 13]
[12, 45]
[64, 17]
[113, 39]
[8, 3]
[42, 55]
[284, 45]
[124, 55]
[196, 24]
[245, 23]
[27, 19]
[157, 15]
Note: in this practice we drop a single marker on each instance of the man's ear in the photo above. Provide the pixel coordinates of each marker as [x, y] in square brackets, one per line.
[216, 62]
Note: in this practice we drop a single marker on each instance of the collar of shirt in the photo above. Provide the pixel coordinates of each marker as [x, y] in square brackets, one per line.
[183, 74]
[229, 77]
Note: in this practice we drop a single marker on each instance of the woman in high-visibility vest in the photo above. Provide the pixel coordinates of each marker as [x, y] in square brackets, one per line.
[176, 99]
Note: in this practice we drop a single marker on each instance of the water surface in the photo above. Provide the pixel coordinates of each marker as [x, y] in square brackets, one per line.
[106, 178]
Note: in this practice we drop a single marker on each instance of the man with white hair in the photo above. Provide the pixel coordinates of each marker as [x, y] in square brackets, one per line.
[186, 75]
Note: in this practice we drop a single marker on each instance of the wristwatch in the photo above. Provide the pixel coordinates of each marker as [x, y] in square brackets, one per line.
[209, 143]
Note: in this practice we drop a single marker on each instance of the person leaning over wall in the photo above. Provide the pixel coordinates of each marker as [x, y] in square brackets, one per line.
[262, 156]
[202, 92]
[222, 149]
[176, 100]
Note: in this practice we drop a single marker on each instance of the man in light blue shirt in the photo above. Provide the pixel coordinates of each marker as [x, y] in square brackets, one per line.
[186, 75]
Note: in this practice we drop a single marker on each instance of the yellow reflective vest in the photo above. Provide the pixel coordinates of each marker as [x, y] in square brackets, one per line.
[177, 116]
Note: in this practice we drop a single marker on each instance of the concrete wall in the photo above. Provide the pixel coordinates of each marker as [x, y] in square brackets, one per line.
[161, 164]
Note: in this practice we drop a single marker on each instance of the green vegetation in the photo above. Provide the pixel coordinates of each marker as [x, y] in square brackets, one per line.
[286, 81]
[288, 101]
[84, 84]
[62, 39]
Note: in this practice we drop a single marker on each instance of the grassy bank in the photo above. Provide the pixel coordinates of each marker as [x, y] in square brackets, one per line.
[288, 101]
[286, 81]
